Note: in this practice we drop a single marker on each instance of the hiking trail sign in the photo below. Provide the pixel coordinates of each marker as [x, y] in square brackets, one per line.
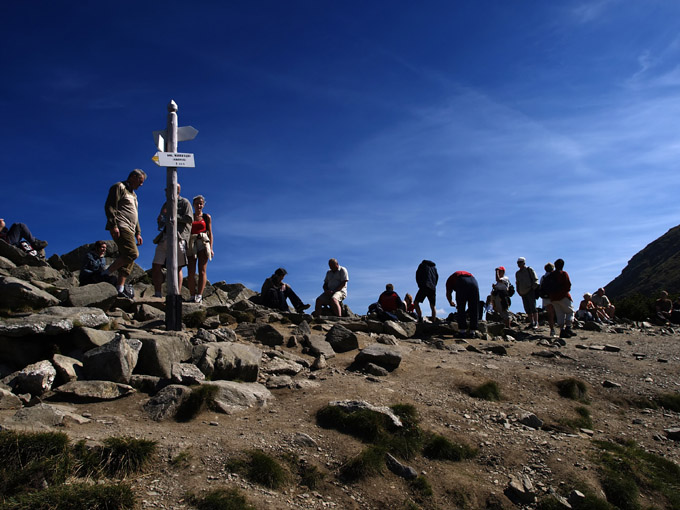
[174, 159]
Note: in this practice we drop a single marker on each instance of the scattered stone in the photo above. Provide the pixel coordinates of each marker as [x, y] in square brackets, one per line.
[376, 370]
[186, 374]
[395, 329]
[319, 363]
[9, 400]
[387, 340]
[673, 433]
[399, 469]
[317, 345]
[279, 381]
[610, 384]
[520, 490]
[531, 420]
[302, 439]
[496, 349]
[612, 348]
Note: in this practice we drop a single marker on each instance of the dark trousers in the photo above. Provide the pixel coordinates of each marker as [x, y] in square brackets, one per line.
[276, 298]
[17, 232]
[467, 294]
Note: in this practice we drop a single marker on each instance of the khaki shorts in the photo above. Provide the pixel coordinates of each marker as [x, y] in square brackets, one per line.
[161, 253]
[339, 296]
[127, 250]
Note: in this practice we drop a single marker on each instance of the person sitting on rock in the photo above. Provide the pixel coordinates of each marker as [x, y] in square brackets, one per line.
[334, 289]
[586, 309]
[18, 232]
[388, 303]
[275, 292]
[604, 307]
[664, 307]
[93, 269]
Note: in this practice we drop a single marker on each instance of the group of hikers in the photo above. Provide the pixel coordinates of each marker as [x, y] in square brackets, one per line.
[195, 247]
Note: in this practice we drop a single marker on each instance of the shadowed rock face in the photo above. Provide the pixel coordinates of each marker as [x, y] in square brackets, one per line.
[654, 268]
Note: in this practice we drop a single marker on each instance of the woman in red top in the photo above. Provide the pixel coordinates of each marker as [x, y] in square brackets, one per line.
[200, 248]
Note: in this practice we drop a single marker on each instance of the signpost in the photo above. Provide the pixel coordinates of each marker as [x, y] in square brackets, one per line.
[166, 141]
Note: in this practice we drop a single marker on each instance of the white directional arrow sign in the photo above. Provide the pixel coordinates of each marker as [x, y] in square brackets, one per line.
[184, 134]
[174, 159]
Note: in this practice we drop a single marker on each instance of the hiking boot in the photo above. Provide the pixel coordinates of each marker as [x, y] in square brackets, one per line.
[552, 332]
[302, 308]
[198, 298]
[39, 245]
[125, 293]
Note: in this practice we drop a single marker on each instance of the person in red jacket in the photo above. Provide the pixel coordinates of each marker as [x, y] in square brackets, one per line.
[558, 288]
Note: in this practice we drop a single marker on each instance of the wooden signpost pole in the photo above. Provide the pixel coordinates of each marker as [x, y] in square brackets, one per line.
[173, 301]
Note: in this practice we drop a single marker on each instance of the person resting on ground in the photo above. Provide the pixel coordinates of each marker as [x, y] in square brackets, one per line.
[586, 309]
[388, 303]
[18, 232]
[664, 307]
[93, 269]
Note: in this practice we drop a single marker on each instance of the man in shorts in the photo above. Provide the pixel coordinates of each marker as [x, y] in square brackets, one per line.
[426, 278]
[185, 215]
[602, 303]
[122, 222]
[334, 289]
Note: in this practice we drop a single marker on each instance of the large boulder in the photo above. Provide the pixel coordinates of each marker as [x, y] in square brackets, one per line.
[114, 361]
[35, 379]
[160, 351]
[235, 291]
[233, 396]
[17, 294]
[19, 256]
[45, 274]
[317, 345]
[53, 321]
[269, 335]
[385, 356]
[342, 339]
[228, 360]
[93, 391]
[99, 295]
[68, 369]
[165, 403]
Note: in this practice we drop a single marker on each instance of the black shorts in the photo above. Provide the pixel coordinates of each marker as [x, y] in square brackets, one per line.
[430, 294]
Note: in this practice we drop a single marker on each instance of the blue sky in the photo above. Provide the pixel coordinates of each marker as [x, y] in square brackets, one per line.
[380, 133]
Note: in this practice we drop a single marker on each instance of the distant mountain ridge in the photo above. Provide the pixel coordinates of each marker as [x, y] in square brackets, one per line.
[654, 268]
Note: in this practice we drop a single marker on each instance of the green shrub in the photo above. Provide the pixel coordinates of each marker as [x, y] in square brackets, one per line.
[201, 397]
[573, 389]
[440, 448]
[368, 426]
[195, 319]
[636, 307]
[220, 499]
[310, 476]
[116, 457]
[487, 391]
[582, 421]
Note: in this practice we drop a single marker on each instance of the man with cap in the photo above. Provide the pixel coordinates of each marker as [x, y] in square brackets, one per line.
[275, 292]
[500, 292]
[526, 282]
[602, 303]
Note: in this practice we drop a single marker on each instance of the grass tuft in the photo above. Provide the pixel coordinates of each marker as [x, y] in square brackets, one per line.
[220, 499]
[195, 319]
[487, 391]
[626, 470]
[440, 448]
[182, 459]
[669, 401]
[370, 462]
[201, 397]
[421, 486]
[581, 421]
[260, 468]
[573, 389]
[69, 497]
